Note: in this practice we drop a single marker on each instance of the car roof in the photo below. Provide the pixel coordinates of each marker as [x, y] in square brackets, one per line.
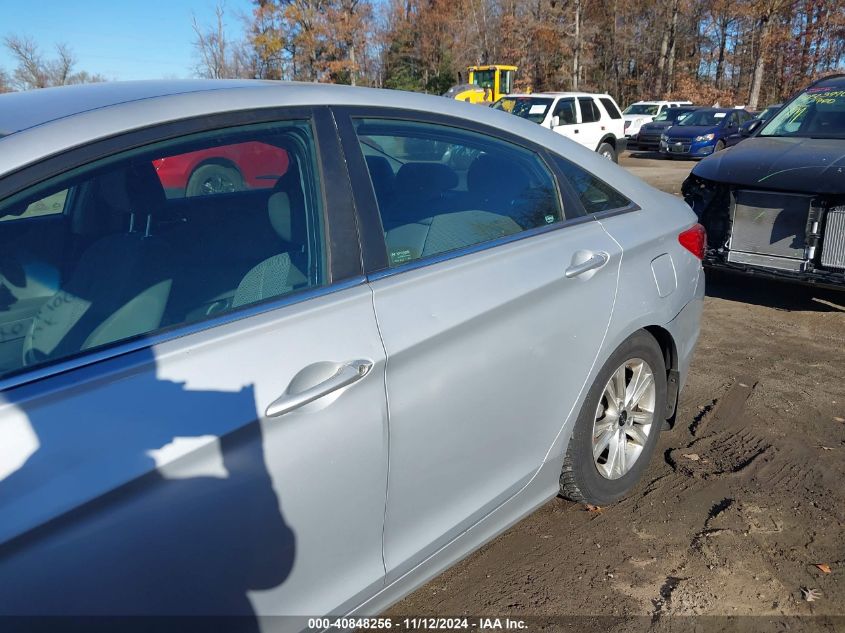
[39, 123]
[554, 95]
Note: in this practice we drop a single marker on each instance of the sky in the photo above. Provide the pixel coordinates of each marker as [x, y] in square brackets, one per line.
[119, 39]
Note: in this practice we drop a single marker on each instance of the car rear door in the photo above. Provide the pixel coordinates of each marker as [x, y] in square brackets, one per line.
[490, 329]
[231, 460]
[591, 126]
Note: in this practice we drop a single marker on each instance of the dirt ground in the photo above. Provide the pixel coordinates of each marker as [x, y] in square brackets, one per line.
[744, 498]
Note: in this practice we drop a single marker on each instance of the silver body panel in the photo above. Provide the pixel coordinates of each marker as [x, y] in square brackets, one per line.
[481, 361]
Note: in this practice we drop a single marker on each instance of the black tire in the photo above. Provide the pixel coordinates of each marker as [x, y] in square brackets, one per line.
[720, 145]
[214, 178]
[580, 479]
[606, 150]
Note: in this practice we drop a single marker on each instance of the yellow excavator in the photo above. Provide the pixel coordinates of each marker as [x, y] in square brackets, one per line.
[486, 84]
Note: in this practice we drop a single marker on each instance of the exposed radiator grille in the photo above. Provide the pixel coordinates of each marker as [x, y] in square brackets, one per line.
[770, 223]
[833, 246]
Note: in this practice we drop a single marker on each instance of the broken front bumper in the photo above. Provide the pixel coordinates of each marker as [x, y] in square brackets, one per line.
[795, 237]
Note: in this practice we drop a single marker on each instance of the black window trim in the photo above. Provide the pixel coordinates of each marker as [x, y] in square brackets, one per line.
[343, 252]
[374, 248]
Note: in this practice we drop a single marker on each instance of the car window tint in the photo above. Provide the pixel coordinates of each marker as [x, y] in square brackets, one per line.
[441, 188]
[565, 111]
[611, 108]
[595, 194]
[130, 261]
[52, 204]
[221, 169]
[589, 111]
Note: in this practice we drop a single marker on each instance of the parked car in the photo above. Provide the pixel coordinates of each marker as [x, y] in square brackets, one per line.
[748, 128]
[650, 133]
[774, 206]
[195, 390]
[703, 132]
[222, 169]
[638, 114]
[768, 112]
[592, 120]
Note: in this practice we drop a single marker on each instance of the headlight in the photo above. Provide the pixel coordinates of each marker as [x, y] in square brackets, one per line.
[705, 137]
[664, 138]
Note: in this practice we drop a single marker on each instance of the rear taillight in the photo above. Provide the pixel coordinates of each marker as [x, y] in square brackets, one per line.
[694, 239]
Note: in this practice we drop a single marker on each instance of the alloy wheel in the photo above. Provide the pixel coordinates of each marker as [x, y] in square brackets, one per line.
[624, 417]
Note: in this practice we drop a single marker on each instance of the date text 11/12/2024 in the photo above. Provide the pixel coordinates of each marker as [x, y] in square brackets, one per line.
[417, 624]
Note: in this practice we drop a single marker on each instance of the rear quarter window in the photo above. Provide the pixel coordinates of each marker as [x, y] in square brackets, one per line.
[595, 194]
[611, 108]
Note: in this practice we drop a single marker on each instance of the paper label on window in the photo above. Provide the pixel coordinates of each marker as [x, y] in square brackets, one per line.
[537, 109]
[719, 115]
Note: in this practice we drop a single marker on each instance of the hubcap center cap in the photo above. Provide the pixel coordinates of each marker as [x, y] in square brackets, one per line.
[623, 418]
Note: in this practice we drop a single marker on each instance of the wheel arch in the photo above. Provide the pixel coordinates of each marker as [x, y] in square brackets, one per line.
[214, 160]
[608, 138]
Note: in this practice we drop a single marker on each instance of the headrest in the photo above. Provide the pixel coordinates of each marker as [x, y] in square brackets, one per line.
[278, 209]
[491, 176]
[134, 189]
[425, 179]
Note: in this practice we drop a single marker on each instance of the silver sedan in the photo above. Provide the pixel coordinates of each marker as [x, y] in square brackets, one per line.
[292, 350]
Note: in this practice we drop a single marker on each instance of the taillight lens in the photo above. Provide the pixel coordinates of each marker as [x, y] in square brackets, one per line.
[694, 239]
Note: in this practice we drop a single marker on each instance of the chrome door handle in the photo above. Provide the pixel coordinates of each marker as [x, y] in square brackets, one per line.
[350, 372]
[596, 261]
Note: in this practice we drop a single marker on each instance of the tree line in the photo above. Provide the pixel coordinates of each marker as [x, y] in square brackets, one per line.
[35, 69]
[735, 52]
[732, 52]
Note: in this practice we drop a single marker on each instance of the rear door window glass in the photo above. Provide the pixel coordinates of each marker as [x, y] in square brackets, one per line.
[589, 111]
[441, 188]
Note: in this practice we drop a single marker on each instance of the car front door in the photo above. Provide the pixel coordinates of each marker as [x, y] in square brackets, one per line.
[492, 305]
[210, 437]
[566, 113]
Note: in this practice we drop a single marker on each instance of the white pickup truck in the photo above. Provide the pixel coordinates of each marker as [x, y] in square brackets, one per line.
[593, 120]
[638, 114]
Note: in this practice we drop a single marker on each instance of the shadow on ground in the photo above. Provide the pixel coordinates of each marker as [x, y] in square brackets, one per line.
[774, 294]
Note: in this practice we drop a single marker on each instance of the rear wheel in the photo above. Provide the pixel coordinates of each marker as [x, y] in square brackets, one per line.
[619, 424]
[214, 178]
[606, 150]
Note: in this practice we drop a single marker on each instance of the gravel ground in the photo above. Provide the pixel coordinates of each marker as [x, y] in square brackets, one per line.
[742, 501]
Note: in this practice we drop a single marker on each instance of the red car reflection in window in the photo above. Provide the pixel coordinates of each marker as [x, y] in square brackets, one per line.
[223, 169]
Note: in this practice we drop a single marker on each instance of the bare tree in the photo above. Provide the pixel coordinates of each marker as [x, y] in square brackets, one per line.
[35, 71]
[218, 58]
[766, 11]
[31, 71]
[5, 84]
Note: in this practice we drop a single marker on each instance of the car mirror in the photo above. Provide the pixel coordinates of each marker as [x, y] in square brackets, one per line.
[748, 128]
[555, 121]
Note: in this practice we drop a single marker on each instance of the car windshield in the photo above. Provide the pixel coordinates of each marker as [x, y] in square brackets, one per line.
[641, 108]
[672, 114]
[531, 108]
[819, 112]
[704, 117]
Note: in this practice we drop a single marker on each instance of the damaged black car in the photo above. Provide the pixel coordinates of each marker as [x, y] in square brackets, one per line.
[774, 205]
